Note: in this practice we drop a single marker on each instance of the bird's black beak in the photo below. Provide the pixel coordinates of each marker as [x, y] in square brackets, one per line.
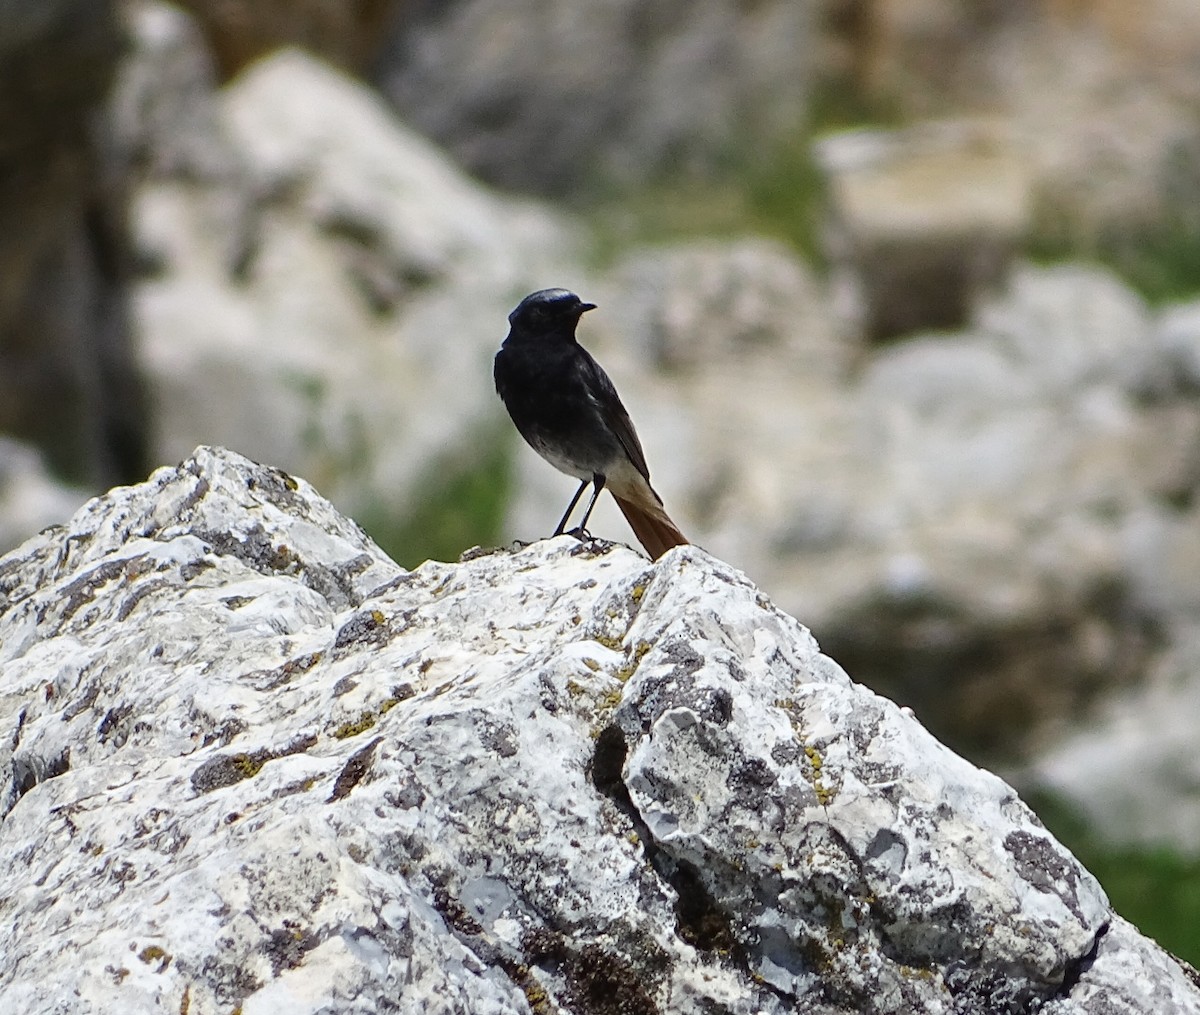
[585, 307]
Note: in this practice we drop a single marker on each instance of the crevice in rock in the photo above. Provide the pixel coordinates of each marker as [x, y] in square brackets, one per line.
[608, 760]
[29, 770]
[357, 766]
[22, 715]
[699, 920]
[1075, 970]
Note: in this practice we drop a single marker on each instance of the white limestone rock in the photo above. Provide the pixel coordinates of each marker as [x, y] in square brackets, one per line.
[248, 762]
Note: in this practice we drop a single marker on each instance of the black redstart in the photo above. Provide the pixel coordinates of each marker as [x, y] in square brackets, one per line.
[568, 411]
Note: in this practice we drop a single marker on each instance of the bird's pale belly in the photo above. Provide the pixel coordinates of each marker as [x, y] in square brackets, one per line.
[571, 460]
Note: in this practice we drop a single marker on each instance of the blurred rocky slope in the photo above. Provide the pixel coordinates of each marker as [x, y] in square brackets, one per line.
[992, 521]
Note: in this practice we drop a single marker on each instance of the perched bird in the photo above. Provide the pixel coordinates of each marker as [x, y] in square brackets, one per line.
[568, 411]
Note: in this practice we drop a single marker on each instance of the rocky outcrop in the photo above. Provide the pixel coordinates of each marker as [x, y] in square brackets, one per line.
[247, 762]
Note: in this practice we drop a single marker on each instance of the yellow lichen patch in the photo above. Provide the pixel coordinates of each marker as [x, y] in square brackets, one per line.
[537, 998]
[366, 719]
[249, 765]
[153, 953]
[591, 663]
[609, 642]
[611, 699]
[629, 667]
[353, 728]
[816, 763]
[824, 793]
[916, 972]
[637, 593]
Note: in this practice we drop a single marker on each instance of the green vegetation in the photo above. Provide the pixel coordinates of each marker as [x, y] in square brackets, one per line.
[1155, 888]
[1160, 260]
[786, 196]
[778, 195]
[463, 506]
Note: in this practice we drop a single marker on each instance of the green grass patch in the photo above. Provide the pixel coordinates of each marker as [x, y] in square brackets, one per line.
[779, 195]
[1160, 260]
[464, 506]
[1157, 889]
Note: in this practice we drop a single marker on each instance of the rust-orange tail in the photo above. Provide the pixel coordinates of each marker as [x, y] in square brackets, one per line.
[654, 529]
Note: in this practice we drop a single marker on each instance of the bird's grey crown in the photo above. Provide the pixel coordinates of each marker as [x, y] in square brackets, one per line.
[554, 295]
[547, 300]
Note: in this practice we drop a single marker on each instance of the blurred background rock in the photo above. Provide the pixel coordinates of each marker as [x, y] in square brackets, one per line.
[904, 296]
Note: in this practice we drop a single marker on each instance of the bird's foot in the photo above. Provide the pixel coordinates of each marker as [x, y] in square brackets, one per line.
[581, 534]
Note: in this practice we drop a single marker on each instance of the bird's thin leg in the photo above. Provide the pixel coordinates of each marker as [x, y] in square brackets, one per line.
[570, 507]
[598, 483]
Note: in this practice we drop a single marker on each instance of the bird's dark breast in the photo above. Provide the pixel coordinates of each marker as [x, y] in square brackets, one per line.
[547, 397]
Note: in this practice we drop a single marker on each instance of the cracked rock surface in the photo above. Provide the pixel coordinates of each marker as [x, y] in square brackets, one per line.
[247, 763]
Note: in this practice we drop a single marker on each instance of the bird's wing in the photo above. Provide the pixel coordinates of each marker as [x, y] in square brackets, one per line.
[614, 413]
